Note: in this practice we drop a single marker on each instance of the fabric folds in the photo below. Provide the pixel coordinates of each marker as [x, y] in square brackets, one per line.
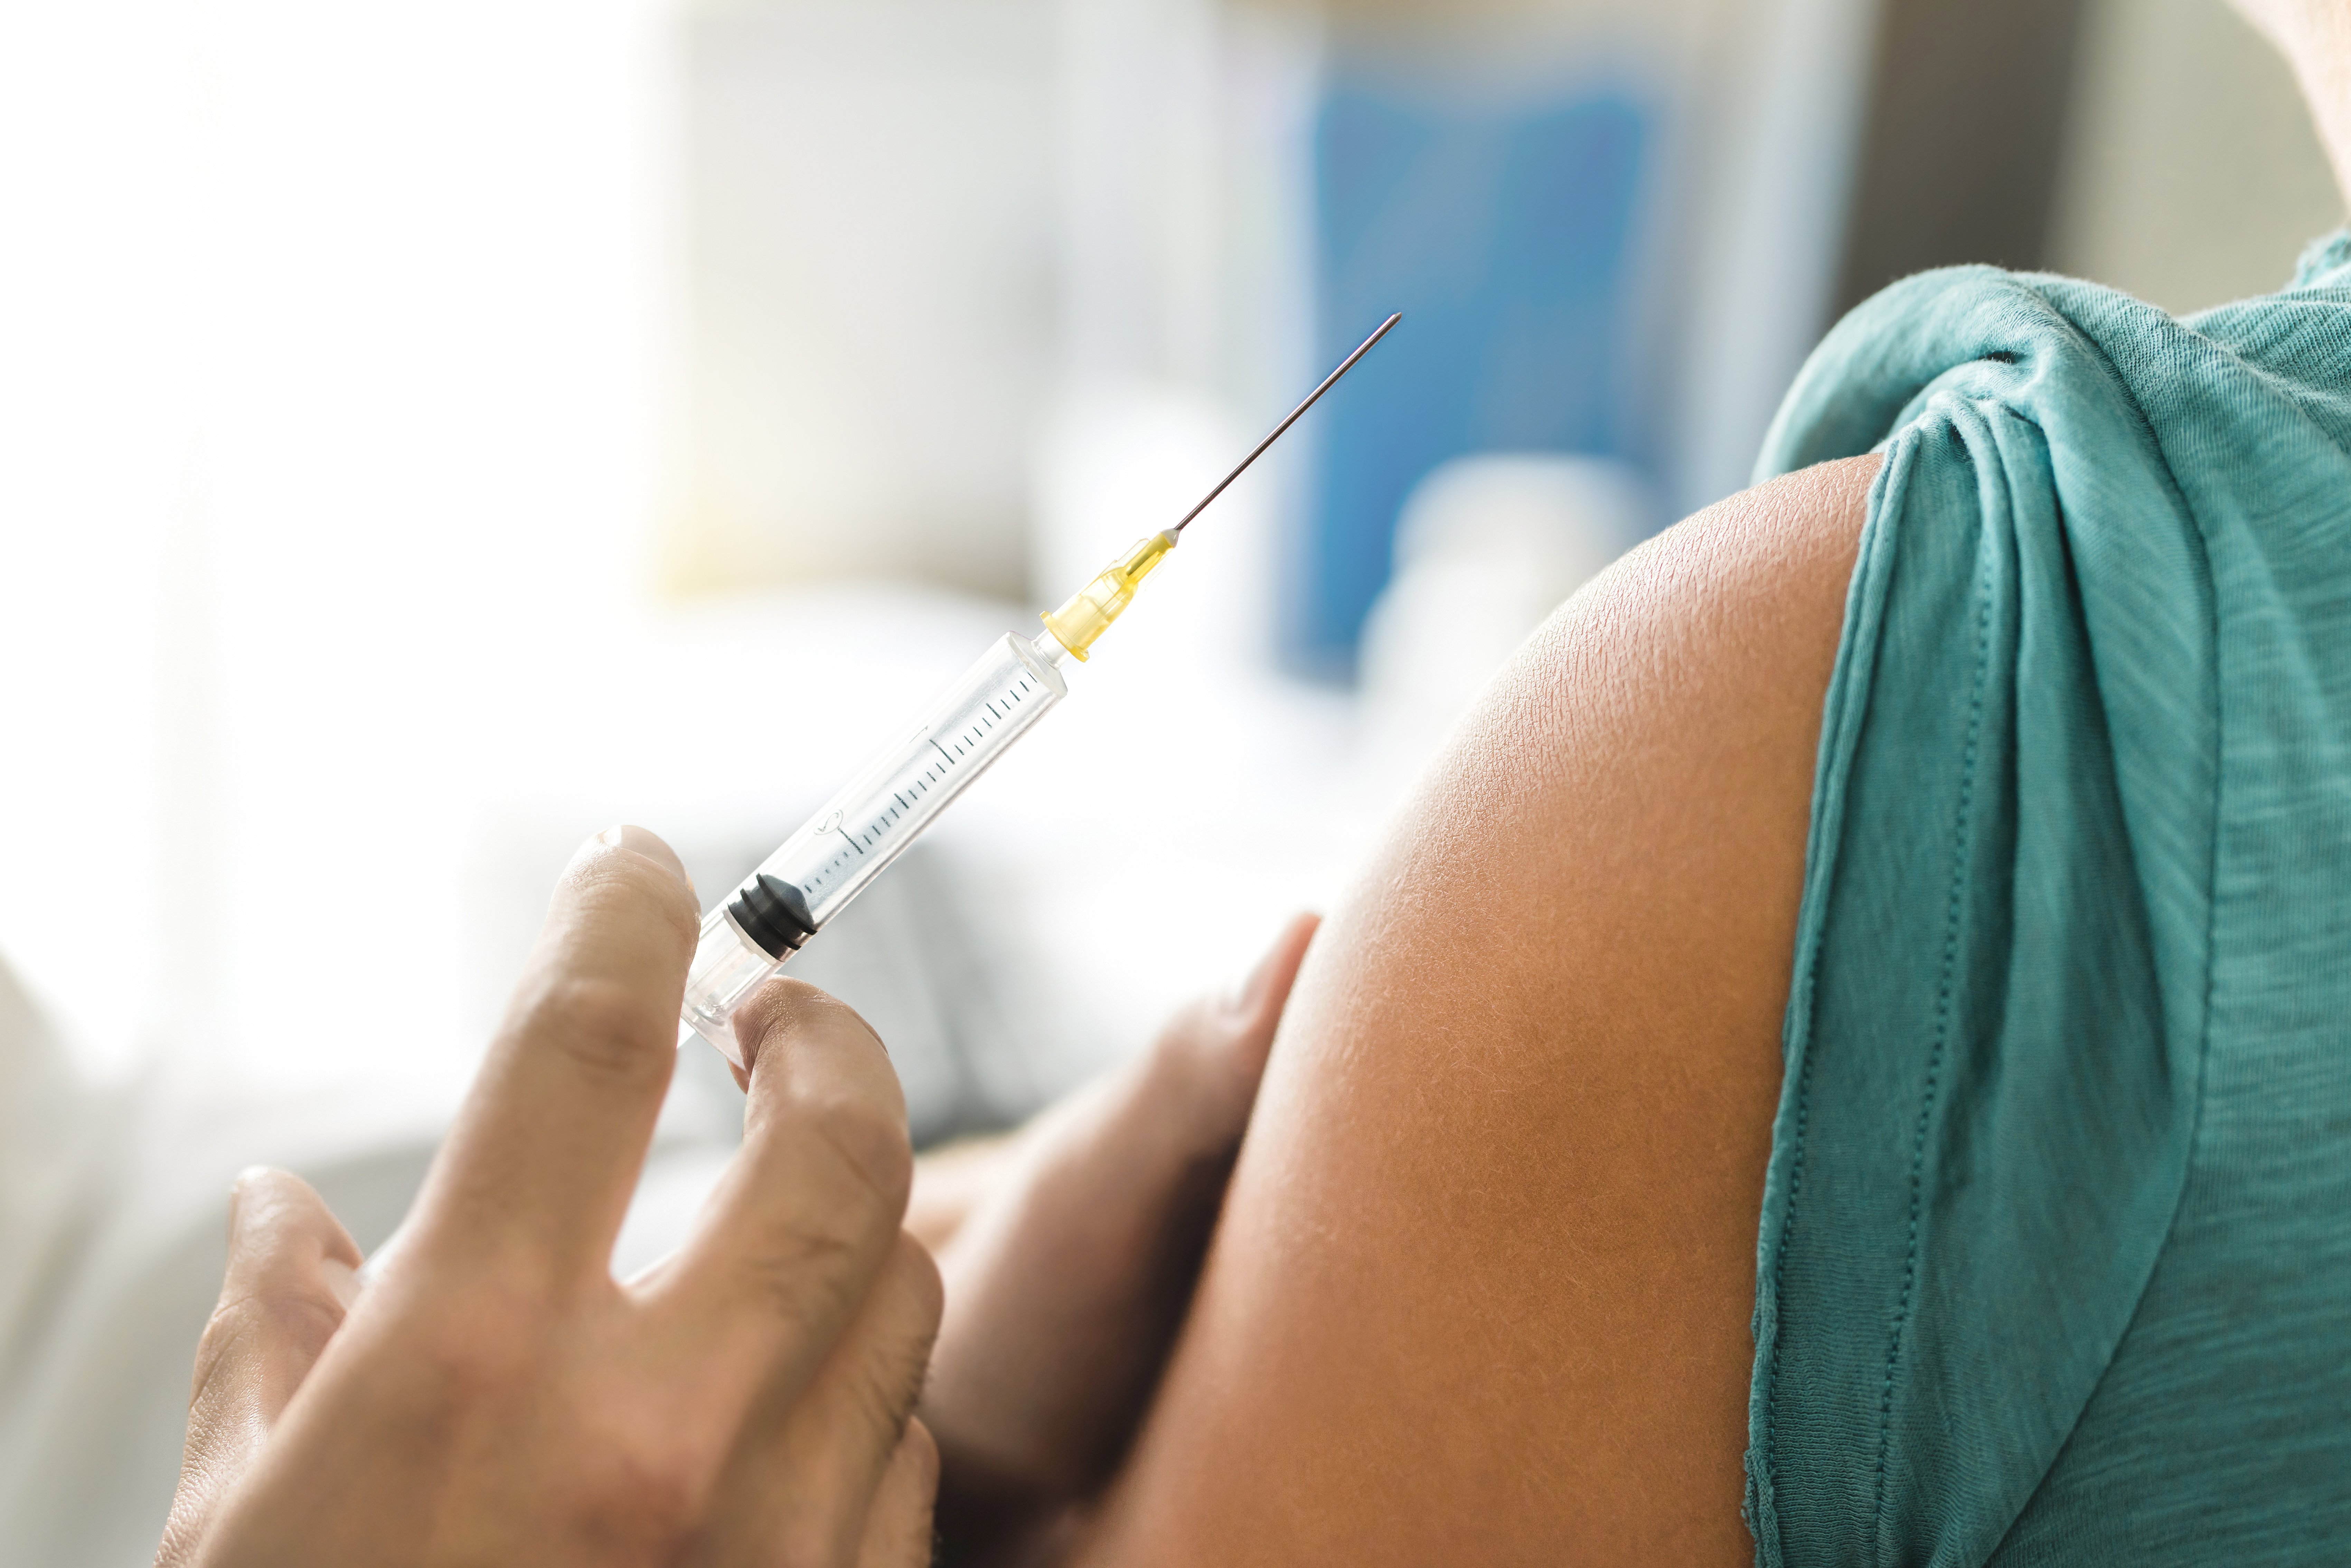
[2055, 1260]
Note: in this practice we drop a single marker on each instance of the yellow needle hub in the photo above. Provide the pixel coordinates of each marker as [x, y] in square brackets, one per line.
[1091, 610]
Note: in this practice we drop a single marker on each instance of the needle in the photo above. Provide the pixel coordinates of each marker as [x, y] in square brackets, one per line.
[1345, 366]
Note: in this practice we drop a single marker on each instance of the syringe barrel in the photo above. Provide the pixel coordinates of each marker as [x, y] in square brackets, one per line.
[858, 832]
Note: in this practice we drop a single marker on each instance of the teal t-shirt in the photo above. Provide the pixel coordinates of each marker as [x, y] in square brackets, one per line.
[2056, 1259]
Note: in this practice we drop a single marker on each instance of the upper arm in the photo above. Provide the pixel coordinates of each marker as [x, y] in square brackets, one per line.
[1482, 1285]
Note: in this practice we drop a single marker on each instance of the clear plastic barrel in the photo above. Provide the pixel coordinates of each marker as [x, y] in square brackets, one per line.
[870, 823]
[726, 965]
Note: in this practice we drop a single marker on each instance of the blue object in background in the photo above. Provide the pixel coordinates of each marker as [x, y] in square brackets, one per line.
[1504, 234]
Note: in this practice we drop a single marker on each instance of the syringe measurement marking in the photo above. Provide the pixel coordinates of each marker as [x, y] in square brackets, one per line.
[879, 828]
[964, 743]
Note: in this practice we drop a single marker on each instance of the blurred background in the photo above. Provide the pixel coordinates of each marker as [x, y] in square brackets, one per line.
[428, 435]
[431, 434]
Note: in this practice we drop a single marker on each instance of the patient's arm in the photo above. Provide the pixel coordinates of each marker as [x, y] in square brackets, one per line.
[1481, 1288]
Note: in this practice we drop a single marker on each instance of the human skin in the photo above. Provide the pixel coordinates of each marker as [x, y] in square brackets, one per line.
[1482, 1284]
[1480, 1291]
[1068, 1254]
[1480, 1287]
[1071, 1248]
[494, 1395]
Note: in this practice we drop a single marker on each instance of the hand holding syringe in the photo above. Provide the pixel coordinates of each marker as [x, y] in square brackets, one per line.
[799, 888]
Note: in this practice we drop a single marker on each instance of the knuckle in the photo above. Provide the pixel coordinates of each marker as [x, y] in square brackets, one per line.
[885, 1393]
[804, 1543]
[233, 1328]
[853, 1156]
[455, 1371]
[603, 1026]
[889, 1384]
[920, 1455]
[813, 1271]
[895, 1384]
[870, 1152]
[254, 1324]
[470, 1351]
[233, 1319]
[915, 1275]
[644, 1498]
[807, 1270]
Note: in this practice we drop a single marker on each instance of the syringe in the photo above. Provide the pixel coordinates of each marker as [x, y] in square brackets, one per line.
[854, 837]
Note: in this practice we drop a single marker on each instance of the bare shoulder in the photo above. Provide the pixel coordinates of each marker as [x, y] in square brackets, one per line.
[1481, 1289]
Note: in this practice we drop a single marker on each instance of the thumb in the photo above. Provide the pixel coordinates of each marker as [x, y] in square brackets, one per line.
[290, 1279]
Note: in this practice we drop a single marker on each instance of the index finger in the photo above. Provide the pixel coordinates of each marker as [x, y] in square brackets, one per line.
[541, 1166]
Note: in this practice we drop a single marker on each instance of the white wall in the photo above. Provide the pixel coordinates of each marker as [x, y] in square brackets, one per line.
[1097, 201]
[870, 199]
[325, 460]
[333, 345]
[1769, 231]
[95, 471]
[2192, 174]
